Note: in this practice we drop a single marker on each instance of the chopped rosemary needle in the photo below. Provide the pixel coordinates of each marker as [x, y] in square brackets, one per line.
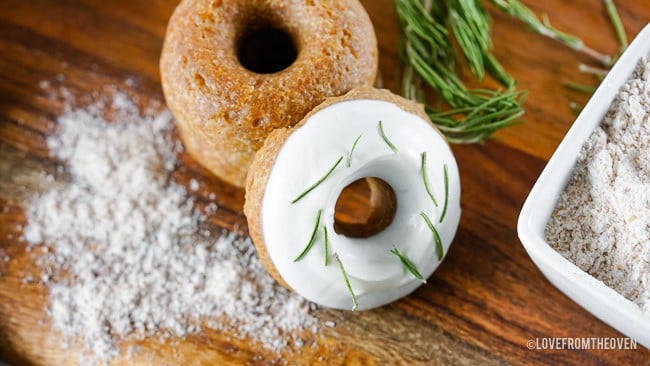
[312, 240]
[425, 179]
[444, 207]
[327, 254]
[519, 10]
[436, 236]
[311, 188]
[409, 265]
[575, 108]
[618, 26]
[383, 136]
[580, 87]
[354, 145]
[355, 304]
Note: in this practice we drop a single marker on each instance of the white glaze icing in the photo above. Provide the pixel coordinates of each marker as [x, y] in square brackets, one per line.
[376, 275]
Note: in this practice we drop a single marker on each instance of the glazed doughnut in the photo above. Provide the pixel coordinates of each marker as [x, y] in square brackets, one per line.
[229, 75]
[297, 176]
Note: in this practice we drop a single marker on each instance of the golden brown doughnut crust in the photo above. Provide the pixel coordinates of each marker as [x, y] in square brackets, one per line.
[264, 161]
[231, 110]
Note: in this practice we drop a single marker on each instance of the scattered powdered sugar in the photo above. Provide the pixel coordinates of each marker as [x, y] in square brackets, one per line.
[126, 254]
[602, 219]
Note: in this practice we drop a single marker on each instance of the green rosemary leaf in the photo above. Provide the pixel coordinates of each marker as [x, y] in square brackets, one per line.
[580, 87]
[423, 169]
[430, 28]
[409, 265]
[383, 136]
[468, 43]
[327, 250]
[618, 26]
[495, 69]
[436, 236]
[470, 25]
[444, 207]
[355, 304]
[354, 145]
[312, 239]
[311, 188]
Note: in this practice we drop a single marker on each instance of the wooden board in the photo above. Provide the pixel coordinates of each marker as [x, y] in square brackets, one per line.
[481, 306]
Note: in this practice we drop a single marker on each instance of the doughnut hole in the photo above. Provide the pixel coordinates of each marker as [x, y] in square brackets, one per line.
[364, 208]
[264, 48]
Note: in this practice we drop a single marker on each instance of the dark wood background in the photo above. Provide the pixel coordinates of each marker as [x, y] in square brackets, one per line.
[480, 307]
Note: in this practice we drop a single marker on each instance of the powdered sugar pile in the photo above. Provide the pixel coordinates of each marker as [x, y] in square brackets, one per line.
[127, 254]
[602, 219]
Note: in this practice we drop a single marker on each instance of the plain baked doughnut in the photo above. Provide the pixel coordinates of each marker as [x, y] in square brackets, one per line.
[299, 173]
[227, 110]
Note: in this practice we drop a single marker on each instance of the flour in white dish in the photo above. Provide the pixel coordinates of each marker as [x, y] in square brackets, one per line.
[127, 255]
[602, 219]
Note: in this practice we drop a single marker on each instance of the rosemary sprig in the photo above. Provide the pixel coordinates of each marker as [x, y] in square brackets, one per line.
[354, 146]
[423, 169]
[428, 57]
[383, 136]
[312, 239]
[311, 188]
[409, 265]
[355, 304]
[327, 241]
[436, 235]
[618, 26]
[520, 11]
[446, 179]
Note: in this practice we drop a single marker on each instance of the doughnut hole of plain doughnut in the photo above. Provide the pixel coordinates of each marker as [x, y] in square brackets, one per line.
[266, 49]
[233, 71]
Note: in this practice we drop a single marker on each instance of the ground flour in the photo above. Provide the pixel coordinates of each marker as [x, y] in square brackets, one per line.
[602, 219]
[125, 253]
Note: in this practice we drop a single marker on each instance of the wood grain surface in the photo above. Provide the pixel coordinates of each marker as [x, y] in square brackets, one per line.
[480, 307]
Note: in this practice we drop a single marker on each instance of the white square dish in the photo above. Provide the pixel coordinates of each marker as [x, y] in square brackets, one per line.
[590, 293]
